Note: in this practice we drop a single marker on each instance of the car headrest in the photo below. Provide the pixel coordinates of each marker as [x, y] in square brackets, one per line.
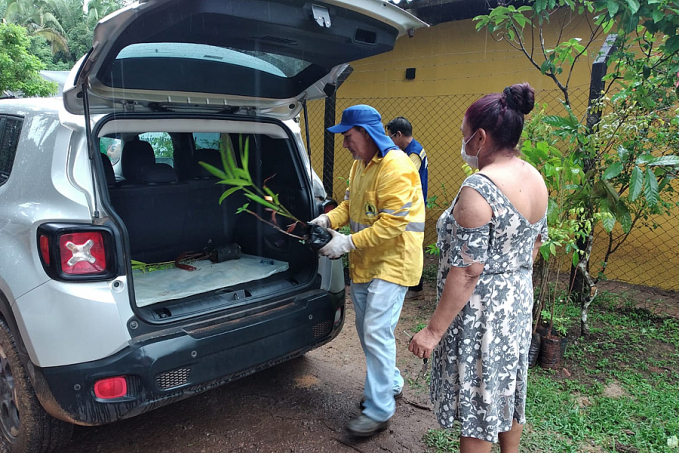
[139, 165]
[158, 174]
[137, 154]
[108, 170]
[209, 156]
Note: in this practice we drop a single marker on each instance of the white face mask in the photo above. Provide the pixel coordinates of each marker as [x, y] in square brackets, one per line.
[472, 161]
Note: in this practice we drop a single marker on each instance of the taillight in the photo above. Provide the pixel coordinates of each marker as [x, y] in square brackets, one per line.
[77, 252]
[82, 253]
[45, 249]
[110, 388]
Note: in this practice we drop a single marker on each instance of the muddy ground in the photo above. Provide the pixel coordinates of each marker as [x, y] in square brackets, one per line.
[302, 405]
[299, 406]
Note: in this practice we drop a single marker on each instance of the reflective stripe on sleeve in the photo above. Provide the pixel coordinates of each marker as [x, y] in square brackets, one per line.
[415, 227]
[356, 227]
[402, 212]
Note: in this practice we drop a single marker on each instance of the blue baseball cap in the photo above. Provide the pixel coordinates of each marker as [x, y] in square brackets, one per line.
[369, 119]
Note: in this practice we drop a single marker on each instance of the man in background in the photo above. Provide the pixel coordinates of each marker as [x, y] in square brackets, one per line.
[401, 132]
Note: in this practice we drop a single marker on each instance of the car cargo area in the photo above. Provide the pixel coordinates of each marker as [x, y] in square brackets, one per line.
[189, 253]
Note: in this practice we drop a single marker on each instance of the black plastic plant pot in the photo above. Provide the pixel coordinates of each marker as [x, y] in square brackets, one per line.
[534, 350]
[550, 353]
[317, 237]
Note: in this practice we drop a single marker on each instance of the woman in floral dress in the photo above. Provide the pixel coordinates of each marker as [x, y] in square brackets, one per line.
[480, 333]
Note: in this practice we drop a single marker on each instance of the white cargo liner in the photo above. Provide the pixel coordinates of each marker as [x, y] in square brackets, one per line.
[169, 284]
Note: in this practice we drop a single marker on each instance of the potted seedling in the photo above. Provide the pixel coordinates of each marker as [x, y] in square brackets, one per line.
[553, 329]
[239, 178]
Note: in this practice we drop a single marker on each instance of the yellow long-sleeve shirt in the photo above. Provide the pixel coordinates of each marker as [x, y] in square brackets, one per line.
[385, 210]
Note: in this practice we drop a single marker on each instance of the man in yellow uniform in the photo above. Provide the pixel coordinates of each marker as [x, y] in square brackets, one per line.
[385, 210]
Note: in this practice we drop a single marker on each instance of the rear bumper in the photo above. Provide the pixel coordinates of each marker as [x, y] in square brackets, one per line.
[173, 365]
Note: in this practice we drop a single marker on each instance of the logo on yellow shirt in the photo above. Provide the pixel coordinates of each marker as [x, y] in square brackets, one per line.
[370, 210]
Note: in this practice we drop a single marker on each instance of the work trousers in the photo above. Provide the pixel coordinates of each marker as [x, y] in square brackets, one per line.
[378, 306]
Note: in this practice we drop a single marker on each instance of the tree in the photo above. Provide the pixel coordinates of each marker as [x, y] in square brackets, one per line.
[621, 155]
[38, 17]
[20, 71]
[98, 9]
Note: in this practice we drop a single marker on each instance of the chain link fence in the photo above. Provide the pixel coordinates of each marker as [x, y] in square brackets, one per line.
[647, 258]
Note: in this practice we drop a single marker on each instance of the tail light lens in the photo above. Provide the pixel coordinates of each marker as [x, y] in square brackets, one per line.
[82, 253]
[77, 252]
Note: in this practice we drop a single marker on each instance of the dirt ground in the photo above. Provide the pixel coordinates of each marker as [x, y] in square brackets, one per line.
[659, 302]
[302, 405]
[299, 406]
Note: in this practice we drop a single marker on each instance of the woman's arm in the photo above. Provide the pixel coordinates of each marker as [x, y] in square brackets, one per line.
[471, 211]
[457, 290]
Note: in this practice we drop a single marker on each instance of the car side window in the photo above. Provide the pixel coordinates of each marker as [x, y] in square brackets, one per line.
[10, 129]
[112, 147]
[206, 140]
[161, 142]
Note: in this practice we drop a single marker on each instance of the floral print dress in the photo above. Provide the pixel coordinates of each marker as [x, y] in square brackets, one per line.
[480, 367]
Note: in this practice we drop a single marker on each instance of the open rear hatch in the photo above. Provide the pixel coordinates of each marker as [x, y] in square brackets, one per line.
[263, 56]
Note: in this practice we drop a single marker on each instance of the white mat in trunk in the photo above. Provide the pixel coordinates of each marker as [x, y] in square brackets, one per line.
[168, 284]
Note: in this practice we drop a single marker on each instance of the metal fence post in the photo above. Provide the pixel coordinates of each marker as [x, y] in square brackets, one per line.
[329, 137]
[596, 84]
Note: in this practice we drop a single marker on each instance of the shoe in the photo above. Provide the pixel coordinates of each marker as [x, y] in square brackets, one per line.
[414, 295]
[364, 426]
[397, 396]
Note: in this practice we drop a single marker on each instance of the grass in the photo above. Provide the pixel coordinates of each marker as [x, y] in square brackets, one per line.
[430, 271]
[620, 392]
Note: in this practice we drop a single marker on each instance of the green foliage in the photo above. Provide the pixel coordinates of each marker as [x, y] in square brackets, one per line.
[239, 178]
[39, 18]
[64, 28]
[151, 267]
[161, 142]
[442, 440]
[345, 230]
[79, 42]
[20, 71]
[439, 202]
[433, 249]
[430, 272]
[40, 48]
[559, 323]
[419, 326]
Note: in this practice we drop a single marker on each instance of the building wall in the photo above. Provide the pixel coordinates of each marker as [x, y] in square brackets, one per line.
[455, 65]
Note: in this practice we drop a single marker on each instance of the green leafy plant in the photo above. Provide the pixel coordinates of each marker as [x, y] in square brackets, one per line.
[20, 71]
[558, 323]
[433, 249]
[345, 258]
[239, 178]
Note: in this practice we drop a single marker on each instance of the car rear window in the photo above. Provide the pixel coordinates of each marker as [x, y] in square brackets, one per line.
[278, 65]
[10, 129]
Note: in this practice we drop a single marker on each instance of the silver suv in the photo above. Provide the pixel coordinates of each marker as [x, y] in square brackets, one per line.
[103, 201]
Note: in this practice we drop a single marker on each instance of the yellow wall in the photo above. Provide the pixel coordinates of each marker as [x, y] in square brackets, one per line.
[453, 58]
[455, 65]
